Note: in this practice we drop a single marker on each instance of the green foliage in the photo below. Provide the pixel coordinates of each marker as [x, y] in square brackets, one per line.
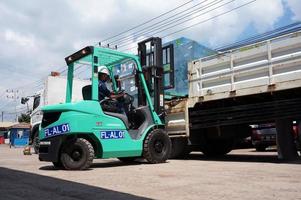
[24, 118]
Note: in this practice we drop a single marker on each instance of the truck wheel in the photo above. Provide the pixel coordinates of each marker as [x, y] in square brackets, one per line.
[36, 142]
[77, 155]
[156, 146]
[217, 147]
[179, 148]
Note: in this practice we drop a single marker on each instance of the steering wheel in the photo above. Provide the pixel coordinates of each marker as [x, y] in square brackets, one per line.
[107, 99]
[120, 91]
[109, 105]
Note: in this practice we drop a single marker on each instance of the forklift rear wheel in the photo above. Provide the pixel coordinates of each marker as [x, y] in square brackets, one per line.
[77, 155]
[157, 146]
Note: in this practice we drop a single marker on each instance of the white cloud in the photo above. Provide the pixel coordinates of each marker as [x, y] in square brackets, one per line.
[264, 13]
[295, 7]
[227, 27]
[94, 10]
[19, 39]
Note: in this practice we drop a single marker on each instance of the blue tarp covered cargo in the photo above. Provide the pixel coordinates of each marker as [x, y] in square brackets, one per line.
[183, 50]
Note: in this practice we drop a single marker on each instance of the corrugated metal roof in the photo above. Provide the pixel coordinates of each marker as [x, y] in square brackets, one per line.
[6, 125]
[21, 125]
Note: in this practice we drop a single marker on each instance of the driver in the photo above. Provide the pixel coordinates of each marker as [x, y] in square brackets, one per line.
[103, 91]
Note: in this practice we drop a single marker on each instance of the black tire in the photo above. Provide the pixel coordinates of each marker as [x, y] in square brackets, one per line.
[36, 142]
[58, 165]
[127, 159]
[77, 155]
[179, 148]
[260, 148]
[156, 146]
[218, 147]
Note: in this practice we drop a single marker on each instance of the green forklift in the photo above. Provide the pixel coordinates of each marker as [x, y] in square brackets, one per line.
[72, 134]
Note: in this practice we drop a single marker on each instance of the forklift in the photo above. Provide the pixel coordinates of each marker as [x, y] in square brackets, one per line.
[72, 134]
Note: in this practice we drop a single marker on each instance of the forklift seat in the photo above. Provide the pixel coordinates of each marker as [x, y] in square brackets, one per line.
[87, 92]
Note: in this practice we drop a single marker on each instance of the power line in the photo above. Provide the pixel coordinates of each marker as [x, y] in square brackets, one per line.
[231, 10]
[146, 22]
[281, 30]
[203, 21]
[38, 83]
[3, 94]
[152, 26]
[14, 113]
[41, 80]
[174, 25]
[5, 105]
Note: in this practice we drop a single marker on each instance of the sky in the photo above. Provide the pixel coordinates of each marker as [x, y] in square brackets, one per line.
[36, 36]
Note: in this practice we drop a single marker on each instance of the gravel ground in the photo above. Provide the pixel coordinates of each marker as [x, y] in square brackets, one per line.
[243, 174]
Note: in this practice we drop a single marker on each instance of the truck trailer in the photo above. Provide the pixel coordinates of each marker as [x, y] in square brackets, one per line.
[253, 84]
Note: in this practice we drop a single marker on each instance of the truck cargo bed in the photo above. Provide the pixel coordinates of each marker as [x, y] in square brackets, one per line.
[264, 67]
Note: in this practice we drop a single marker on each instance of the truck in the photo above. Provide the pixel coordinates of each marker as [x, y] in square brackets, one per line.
[53, 92]
[253, 84]
[222, 94]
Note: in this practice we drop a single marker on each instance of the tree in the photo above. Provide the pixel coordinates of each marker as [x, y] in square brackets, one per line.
[24, 118]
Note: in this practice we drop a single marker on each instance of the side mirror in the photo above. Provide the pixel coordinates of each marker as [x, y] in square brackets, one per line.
[24, 100]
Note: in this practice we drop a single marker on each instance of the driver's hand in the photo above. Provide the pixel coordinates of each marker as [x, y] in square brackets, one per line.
[116, 96]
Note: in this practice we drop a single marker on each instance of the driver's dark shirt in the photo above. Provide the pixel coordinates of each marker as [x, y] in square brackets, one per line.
[103, 91]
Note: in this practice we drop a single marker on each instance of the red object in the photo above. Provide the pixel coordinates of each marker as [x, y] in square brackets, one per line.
[2, 141]
[55, 74]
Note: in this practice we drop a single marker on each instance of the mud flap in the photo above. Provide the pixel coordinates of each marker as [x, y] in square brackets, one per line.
[285, 142]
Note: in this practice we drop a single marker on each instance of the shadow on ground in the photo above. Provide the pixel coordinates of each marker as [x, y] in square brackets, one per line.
[23, 185]
[109, 164]
[259, 157]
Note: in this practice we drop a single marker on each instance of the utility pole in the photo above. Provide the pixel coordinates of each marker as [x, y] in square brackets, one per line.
[13, 94]
[2, 115]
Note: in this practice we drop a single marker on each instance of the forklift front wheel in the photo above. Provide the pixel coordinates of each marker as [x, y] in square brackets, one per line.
[156, 147]
[77, 155]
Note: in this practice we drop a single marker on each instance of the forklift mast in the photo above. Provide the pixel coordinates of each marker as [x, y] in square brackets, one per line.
[150, 53]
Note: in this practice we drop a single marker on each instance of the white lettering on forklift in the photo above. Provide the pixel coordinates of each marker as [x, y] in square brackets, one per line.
[113, 134]
[46, 132]
[65, 127]
[57, 130]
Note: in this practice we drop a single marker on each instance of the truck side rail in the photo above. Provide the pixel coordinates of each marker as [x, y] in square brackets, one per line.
[267, 66]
